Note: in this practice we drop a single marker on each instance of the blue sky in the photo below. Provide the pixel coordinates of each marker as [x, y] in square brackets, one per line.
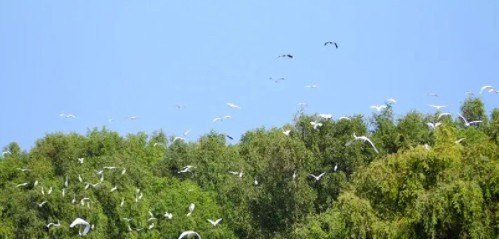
[105, 60]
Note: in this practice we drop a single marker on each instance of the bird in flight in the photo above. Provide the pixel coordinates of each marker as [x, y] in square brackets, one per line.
[364, 139]
[52, 224]
[345, 118]
[312, 86]
[221, 118]
[67, 116]
[133, 117]
[233, 106]
[318, 177]
[189, 234]
[438, 107]
[378, 107]
[326, 116]
[81, 222]
[433, 125]
[315, 124]
[391, 101]
[277, 80]
[443, 114]
[488, 88]
[289, 56]
[215, 223]
[41, 204]
[186, 169]
[286, 132]
[466, 123]
[331, 43]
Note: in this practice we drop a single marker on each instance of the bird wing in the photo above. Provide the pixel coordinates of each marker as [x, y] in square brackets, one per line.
[374, 147]
[79, 221]
[218, 220]
[464, 119]
[320, 175]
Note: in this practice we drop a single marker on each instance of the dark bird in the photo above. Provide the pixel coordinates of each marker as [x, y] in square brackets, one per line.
[286, 56]
[331, 43]
[277, 80]
[229, 137]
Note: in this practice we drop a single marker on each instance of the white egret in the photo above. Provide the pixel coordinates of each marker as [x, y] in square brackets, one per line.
[233, 106]
[52, 224]
[127, 219]
[215, 223]
[35, 183]
[185, 169]
[326, 116]
[66, 182]
[87, 186]
[344, 118]
[5, 152]
[466, 123]
[391, 101]
[100, 172]
[315, 124]
[110, 167]
[81, 160]
[443, 114]
[239, 174]
[81, 222]
[486, 87]
[114, 188]
[378, 107]
[67, 116]
[255, 181]
[433, 125]
[43, 191]
[426, 146]
[459, 140]
[41, 204]
[294, 175]
[317, 178]
[122, 202]
[82, 201]
[438, 107]
[123, 171]
[335, 167]
[74, 198]
[22, 185]
[191, 209]
[312, 86]
[286, 132]
[277, 80]
[189, 234]
[49, 191]
[178, 138]
[80, 178]
[364, 139]
[63, 192]
[133, 117]
[23, 169]
[150, 226]
[168, 215]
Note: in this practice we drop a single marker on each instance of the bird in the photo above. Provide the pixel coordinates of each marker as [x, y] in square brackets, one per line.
[312, 86]
[315, 124]
[286, 132]
[364, 139]
[180, 106]
[49, 191]
[289, 56]
[5, 152]
[443, 114]
[326, 116]
[43, 191]
[82, 201]
[80, 178]
[331, 43]
[433, 125]
[41, 204]
[187, 132]
[277, 80]
[438, 107]
[294, 175]
[168, 215]
[378, 107]
[186, 169]
[466, 123]
[100, 172]
[81, 160]
[123, 171]
[391, 101]
[132, 117]
[222, 118]
[255, 181]
[433, 94]
[110, 167]
[74, 198]
[63, 192]
[81, 222]
[191, 209]
[229, 137]
[151, 216]
[23, 169]
[114, 188]
[67, 116]
[345, 118]
[486, 87]
[150, 226]
[233, 106]
[189, 234]
[66, 182]
[178, 138]
[215, 223]
[87, 186]
[35, 183]
[317, 178]
[122, 202]
[239, 174]
[335, 167]
[459, 140]
[52, 224]
[22, 185]
[426, 146]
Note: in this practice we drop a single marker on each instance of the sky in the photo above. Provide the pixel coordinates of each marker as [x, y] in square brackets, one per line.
[103, 60]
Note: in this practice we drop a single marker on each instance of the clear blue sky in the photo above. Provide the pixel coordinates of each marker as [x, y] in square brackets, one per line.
[114, 59]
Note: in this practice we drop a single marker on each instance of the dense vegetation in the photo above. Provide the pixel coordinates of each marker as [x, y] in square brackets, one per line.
[421, 184]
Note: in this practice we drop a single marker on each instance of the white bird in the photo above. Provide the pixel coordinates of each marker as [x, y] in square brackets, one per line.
[335, 167]
[66, 182]
[286, 132]
[123, 171]
[35, 183]
[378, 107]
[364, 139]
[344, 118]
[486, 87]
[433, 125]
[74, 198]
[81, 222]
[168, 215]
[127, 219]
[41, 204]
[326, 116]
[150, 226]
[187, 132]
[466, 123]
[239, 174]
[87, 186]
[96, 184]
[189, 234]
[100, 172]
[54, 224]
[315, 124]
[133, 117]
[178, 138]
[255, 181]
[5, 152]
[312, 86]
[426, 146]
[23, 169]
[49, 191]
[43, 191]
[294, 175]
[391, 101]
[22, 185]
[80, 178]
[443, 114]
[222, 118]
[114, 188]
[81, 160]
[82, 201]
[233, 106]
[438, 107]
[191, 209]
[459, 140]
[122, 202]
[63, 192]
[317, 178]
[185, 169]
[67, 116]
[110, 167]
[215, 223]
